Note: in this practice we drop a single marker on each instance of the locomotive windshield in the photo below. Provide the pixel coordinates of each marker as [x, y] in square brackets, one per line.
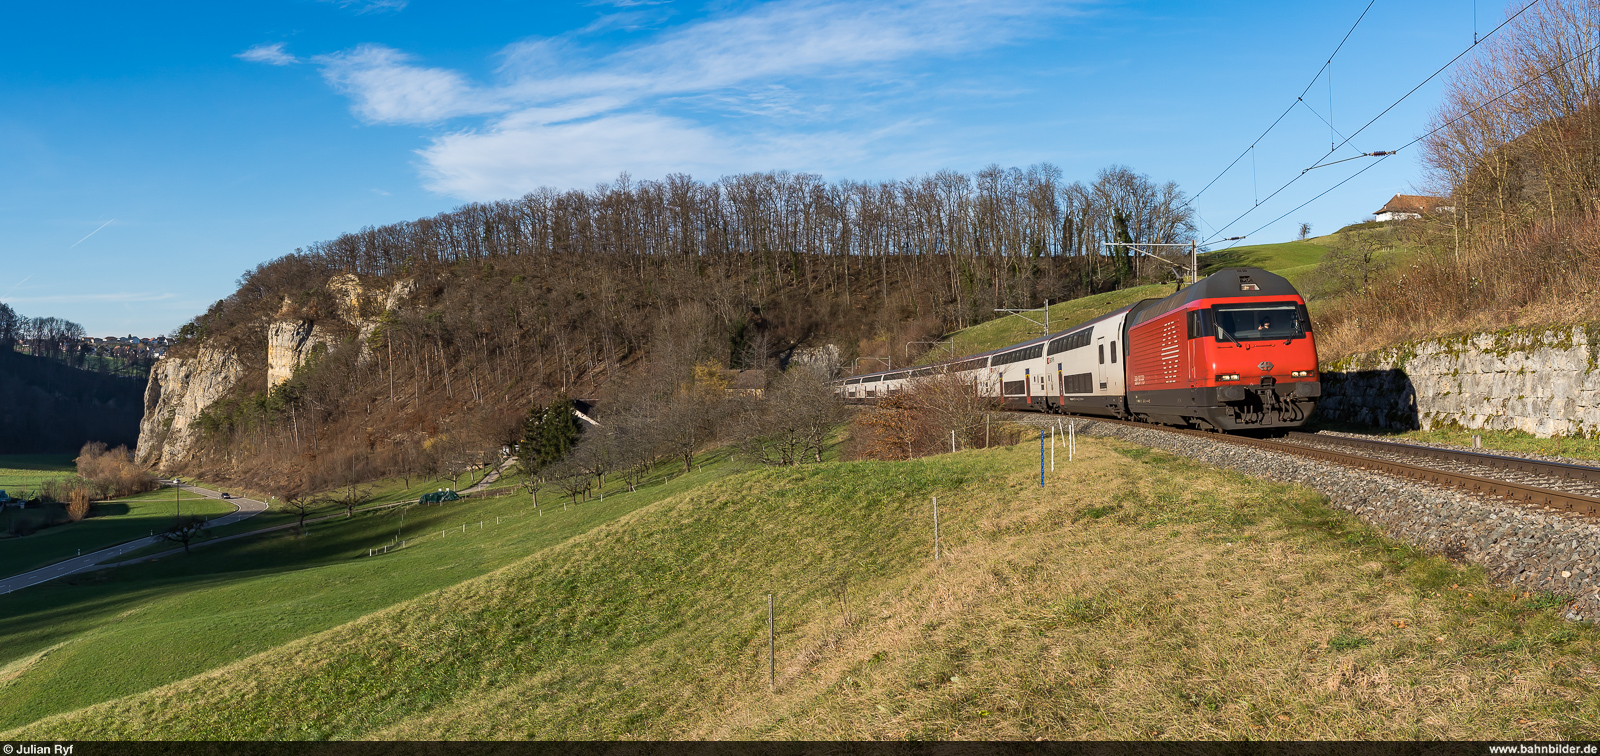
[1259, 322]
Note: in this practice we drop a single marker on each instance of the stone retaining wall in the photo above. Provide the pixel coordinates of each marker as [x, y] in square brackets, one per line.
[1542, 382]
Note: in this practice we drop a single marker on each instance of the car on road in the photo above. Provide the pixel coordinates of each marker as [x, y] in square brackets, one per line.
[227, 495]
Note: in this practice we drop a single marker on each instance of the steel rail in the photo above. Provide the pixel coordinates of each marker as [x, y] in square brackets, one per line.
[1516, 464]
[1531, 496]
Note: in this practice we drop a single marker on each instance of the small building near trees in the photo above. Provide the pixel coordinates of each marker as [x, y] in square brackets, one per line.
[1411, 206]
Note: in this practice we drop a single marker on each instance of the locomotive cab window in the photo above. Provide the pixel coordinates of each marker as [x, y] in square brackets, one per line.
[1259, 322]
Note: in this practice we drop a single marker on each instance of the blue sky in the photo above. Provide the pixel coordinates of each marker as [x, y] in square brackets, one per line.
[150, 155]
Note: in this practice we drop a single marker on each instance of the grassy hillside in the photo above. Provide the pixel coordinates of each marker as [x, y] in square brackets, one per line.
[1137, 595]
[102, 635]
[1292, 260]
[1012, 329]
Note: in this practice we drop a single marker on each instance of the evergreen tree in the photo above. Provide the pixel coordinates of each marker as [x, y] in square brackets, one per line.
[1124, 254]
[549, 434]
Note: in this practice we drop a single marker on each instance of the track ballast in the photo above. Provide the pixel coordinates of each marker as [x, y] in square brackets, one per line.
[1553, 485]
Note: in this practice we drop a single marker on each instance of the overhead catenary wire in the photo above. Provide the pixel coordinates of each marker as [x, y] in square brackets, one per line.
[1331, 132]
[1331, 129]
[1384, 155]
[1255, 193]
[1368, 167]
[1373, 120]
[1503, 95]
[1285, 112]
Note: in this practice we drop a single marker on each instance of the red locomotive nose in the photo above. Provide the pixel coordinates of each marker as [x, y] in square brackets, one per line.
[1233, 351]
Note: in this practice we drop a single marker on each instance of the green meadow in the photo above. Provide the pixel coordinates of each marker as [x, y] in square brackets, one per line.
[1134, 595]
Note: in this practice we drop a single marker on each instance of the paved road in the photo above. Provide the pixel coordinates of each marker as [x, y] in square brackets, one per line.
[493, 476]
[245, 508]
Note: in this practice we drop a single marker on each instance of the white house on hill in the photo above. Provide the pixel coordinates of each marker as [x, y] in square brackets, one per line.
[1408, 206]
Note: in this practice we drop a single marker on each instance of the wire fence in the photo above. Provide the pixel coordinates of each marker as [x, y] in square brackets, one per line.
[466, 529]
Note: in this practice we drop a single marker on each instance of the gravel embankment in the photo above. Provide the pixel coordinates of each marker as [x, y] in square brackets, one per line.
[1551, 482]
[1522, 548]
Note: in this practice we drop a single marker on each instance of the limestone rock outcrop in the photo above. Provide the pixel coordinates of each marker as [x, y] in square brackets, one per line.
[825, 360]
[288, 344]
[1542, 382]
[291, 340]
[180, 389]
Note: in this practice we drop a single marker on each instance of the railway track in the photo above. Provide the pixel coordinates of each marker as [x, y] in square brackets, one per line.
[1552, 485]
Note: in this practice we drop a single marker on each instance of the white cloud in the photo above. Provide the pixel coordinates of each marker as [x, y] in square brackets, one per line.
[387, 88]
[523, 153]
[370, 6]
[271, 54]
[514, 159]
[774, 41]
[563, 114]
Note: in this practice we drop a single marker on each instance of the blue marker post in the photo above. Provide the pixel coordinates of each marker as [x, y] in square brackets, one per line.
[1041, 459]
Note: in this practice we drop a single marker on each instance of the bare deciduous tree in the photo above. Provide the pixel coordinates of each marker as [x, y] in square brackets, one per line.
[1515, 138]
[296, 502]
[691, 420]
[185, 531]
[791, 421]
[469, 316]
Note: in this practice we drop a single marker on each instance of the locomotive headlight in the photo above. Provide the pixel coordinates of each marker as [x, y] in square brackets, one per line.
[1300, 374]
[1228, 377]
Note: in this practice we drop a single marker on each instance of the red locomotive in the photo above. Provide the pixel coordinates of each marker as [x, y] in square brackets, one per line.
[1232, 352]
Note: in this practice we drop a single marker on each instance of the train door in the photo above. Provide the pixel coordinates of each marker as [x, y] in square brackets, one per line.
[1100, 369]
[1199, 371]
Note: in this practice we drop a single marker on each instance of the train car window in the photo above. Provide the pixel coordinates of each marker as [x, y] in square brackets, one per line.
[1113, 352]
[1080, 383]
[1071, 341]
[1258, 322]
[1102, 354]
[1019, 355]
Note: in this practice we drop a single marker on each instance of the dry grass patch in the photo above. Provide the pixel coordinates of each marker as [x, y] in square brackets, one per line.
[1138, 595]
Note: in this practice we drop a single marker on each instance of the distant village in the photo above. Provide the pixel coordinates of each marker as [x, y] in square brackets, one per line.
[131, 348]
[128, 347]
